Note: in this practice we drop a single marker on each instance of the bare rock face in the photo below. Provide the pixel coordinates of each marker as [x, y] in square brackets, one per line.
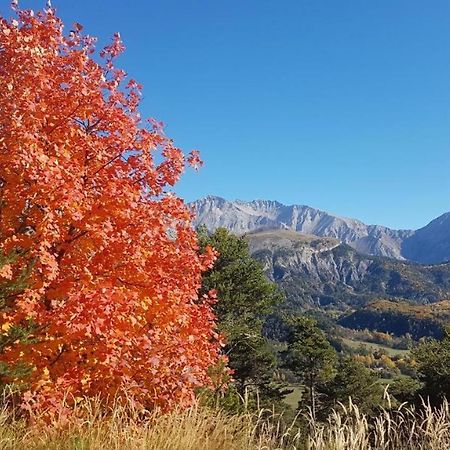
[318, 272]
[243, 217]
[284, 252]
[430, 244]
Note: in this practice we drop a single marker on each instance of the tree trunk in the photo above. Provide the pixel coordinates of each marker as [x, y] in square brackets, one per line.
[312, 398]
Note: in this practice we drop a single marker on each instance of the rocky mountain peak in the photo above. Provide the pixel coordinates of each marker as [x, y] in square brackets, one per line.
[430, 244]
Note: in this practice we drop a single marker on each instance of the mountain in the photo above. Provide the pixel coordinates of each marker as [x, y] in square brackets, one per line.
[322, 272]
[430, 244]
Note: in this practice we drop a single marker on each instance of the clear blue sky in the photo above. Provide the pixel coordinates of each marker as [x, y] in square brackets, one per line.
[341, 105]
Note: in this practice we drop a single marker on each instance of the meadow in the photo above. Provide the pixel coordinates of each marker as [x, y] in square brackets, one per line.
[199, 427]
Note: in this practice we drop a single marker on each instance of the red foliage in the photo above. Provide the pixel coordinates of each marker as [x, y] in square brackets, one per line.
[114, 259]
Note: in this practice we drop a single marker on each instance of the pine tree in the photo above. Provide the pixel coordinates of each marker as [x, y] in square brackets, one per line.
[246, 297]
[309, 356]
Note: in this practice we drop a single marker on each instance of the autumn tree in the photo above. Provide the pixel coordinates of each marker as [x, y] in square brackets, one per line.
[86, 208]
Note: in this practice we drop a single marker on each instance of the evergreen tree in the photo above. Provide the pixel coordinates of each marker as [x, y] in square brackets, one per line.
[353, 380]
[405, 389]
[433, 367]
[309, 356]
[10, 287]
[246, 298]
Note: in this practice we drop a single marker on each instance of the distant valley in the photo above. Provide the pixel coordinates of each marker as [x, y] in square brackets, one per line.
[360, 276]
[324, 276]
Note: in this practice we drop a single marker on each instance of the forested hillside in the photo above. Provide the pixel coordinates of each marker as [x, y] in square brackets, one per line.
[319, 272]
[401, 318]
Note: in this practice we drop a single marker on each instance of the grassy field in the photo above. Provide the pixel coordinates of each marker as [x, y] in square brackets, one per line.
[127, 429]
[211, 429]
[354, 344]
[294, 397]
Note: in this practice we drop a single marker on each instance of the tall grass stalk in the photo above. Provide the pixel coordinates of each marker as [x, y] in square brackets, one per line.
[200, 428]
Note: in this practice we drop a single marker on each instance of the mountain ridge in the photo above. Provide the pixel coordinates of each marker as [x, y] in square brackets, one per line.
[429, 244]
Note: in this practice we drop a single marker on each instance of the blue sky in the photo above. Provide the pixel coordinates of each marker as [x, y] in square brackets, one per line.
[341, 105]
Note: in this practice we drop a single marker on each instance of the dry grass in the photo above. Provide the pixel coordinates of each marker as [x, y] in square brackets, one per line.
[200, 428]
[405, 428]
[126, 428]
